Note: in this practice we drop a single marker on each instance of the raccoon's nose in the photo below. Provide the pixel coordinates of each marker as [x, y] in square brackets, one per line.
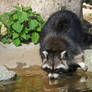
[52, 77]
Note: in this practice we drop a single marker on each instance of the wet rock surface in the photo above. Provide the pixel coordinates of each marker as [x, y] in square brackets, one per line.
[5, 74]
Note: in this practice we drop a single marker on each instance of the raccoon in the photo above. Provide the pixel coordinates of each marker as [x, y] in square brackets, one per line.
[60, 44]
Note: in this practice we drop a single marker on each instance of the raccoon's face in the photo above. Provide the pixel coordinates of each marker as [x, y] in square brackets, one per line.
[55, 63]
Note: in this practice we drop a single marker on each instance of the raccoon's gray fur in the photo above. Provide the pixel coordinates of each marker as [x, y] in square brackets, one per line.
[60, 44]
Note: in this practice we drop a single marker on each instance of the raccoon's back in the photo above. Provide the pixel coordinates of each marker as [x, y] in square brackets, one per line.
[63, 23]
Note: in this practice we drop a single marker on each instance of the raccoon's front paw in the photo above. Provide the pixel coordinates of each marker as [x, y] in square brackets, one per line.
[83, 66]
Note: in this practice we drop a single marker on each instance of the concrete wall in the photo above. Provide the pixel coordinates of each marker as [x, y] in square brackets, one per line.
[44, 7]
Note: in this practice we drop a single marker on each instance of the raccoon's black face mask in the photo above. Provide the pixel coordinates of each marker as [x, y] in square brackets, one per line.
[55, 63]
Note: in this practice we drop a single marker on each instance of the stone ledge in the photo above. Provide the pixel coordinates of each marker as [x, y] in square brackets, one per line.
[19, 57]
[88, 59]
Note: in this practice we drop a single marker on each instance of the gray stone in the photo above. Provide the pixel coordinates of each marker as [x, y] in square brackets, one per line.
[5, 74]
[88, 59]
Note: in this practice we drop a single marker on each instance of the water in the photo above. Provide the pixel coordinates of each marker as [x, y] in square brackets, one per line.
[35, 80]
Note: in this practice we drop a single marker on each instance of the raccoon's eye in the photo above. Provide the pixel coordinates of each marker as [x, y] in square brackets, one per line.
[65, 55]
[47, 69]
[57, 70]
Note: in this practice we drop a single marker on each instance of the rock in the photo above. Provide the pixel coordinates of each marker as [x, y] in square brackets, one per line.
[5, 74]
[88, 59]
[3, 29]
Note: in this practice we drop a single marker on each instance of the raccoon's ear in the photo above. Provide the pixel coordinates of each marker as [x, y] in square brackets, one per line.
[63, 54]
[45, 53]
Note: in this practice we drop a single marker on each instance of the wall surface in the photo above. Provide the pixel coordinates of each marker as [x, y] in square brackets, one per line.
[44, 7]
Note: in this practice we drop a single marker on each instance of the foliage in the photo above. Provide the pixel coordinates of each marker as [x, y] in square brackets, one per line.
[22, 25]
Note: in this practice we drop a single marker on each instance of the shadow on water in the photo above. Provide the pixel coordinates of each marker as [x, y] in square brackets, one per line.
[38, 82]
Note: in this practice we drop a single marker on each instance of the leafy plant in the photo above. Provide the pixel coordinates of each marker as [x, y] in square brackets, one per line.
[22, 25]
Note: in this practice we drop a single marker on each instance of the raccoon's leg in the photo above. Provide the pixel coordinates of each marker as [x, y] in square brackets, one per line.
[79, 60]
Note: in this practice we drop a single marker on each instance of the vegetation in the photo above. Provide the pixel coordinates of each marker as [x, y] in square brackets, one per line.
[22, 24]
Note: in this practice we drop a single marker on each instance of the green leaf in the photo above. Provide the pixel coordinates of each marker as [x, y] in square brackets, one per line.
[39, 29]
[13, 12]
[17, 7]
[26, 8]
[28, 36]
[15, 35]
[17, 42]
[4, 21]
[5, 40]
[17, 27]
[6, 14]
[10, 22]
[35, 37]
[39, 18]
[15, 17]
[33, 24]
[24, 36]
[22, 16]
[26, 30]
[8, 31]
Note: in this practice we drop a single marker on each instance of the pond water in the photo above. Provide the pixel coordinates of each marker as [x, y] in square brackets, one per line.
[35, 80]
